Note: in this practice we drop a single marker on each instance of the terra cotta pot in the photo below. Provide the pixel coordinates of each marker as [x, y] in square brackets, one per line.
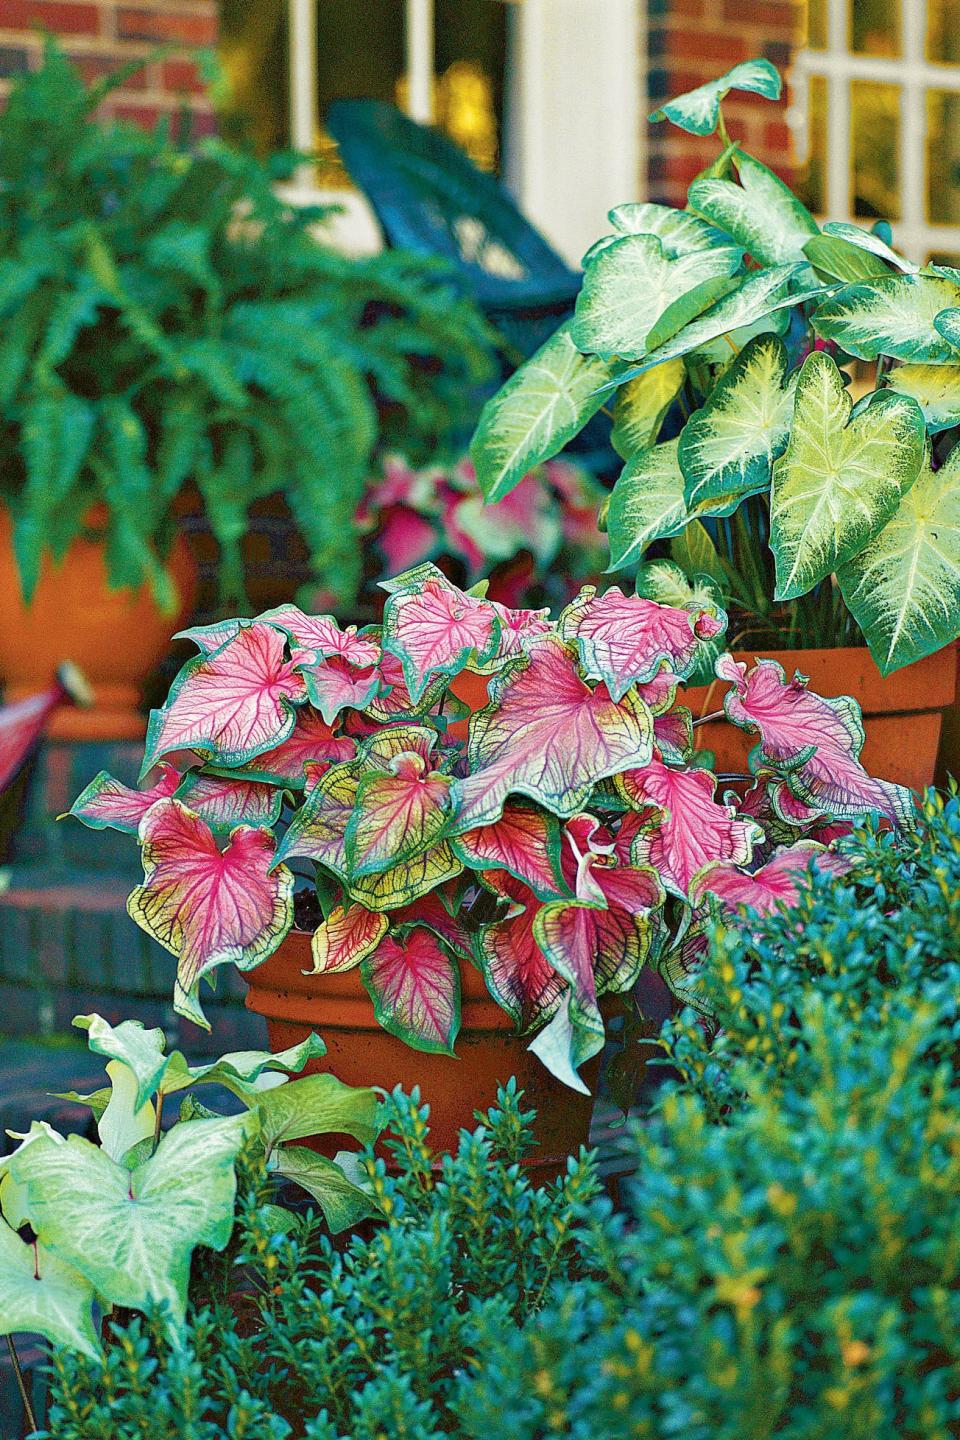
[902, 712]
[115, 637]
[361, 1052]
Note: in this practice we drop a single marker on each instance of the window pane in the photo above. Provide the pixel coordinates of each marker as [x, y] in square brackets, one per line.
[943, 31]
[874, 27]
[875, 125]
[943, 157]
[816, 29]
[812, 175]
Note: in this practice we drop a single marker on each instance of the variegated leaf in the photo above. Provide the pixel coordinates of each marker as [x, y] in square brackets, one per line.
[346, 937]
[310, 742]
[866, 240]
[434, 628]
[517, 973]
[774, 885]
[698, 111]
[399, 813]
[108, 804]
[524, 841]
[641, 407]
[647, 504]
[761, 213]
[226, 801]
[625, 640]
[892, 317]
[936, 389]
[415, 989]
[680, 232]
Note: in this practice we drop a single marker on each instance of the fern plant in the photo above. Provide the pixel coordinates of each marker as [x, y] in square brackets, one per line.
[167, 321]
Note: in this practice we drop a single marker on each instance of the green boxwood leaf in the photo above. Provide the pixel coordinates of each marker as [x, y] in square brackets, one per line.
[542, 406]
[728, 447]
[641, 407]
[42, 1294]
[838, 483]
[893, 317]
[647, 504]
[903, 589]
[761, 213]
[936, 389]
[698, 110]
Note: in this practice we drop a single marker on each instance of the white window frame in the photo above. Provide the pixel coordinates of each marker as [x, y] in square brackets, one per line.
[914, 75]
[576, 98]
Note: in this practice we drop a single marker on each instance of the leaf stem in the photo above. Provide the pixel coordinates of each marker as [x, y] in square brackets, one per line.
[22, 1385]
[705, 719]
[158, 1122]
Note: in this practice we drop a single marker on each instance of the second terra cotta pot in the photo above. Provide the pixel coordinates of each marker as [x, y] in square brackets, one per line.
[361, 1052]
[902, 712]
[115, 637]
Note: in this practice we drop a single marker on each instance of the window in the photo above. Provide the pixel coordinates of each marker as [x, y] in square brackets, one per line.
[877, 106]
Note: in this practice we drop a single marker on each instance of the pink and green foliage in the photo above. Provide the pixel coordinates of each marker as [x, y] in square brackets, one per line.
[572, 837]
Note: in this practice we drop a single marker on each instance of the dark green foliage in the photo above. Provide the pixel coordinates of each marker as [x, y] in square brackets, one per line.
[166, 319]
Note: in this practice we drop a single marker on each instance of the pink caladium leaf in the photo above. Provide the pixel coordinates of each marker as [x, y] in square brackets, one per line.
[517, 973]
[232, 704]
[673, 735]
[347, 936]
[108, 804]
[659, 693]
[415, 989]
[205, 905]
[435, 629]
[524, 841]
[393, 700]
[318, 829]
[775, 884]
[431, 912]
[225, 801]
[688, 828]
[322, 635]
[548, 736]
[310, 742]
[519, 629]
[816, 742]
[399, 812]
[405, 538]
[333, 686]
[208, 638]
[625, 639]
[403, 884]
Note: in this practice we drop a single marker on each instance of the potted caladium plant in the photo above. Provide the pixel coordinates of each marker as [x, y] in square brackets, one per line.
[721, 338]
[415, 893]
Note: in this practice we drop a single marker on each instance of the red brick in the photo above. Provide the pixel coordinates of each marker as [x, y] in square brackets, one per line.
[145, 116]
[51, 15]
[182, 77]
[697, 45]
[94, 67]
[166, 25]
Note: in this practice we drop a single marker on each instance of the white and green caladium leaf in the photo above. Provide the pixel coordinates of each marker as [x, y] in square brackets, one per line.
[903, 589]
[631, 282]
[698, 111]
[139, 1049]
[891, 317]
[947, 324]
[13, 1197]
[40, 1293]
[839, 480]
[762, 294]
[132, 1233]
[246, 1073]
[318, 1105]
[680, 232]
[647, 504]
[836, 259]
[936, 389]
[542, 406]
[343, 1203]
[641, 408]
[866, 240]
[727, 448]
[123, 1124]
[761, 213]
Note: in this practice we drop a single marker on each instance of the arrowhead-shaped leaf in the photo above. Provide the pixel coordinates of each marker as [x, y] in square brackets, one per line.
[547, 735]
[310, 742]
[415, 989]
[318, 829]
[225, 801]
[891, 317]
[343, 1203]
[322, 635]
[346, 937]
[108, 804]
[641, 408]
[647, 504]
[524, 841]
[333, 686]
[814, 742]
[839, 480]
[40, 1293]
[775, 884]
[629, 284]
[132, 1233]
[761, 213]
[434, 628]
[698, 110]
[122, 1124]
[317, 1105]
[401, 885]
[139, 1049]
[626, 640]
[728, 447]
[530, 419]
[399, 813]
[206, 906]
[232, 704]
[903, 589]
[517, 973]
[680, 232]
[936, 389]
[242, 1071]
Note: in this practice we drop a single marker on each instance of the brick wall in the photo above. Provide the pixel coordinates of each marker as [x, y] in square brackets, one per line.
[99, 35]
[692, 41]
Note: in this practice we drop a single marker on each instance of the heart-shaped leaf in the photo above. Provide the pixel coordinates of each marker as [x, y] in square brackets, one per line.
[698, 110]
[206, 906]
[310, 742]
[232, 704]
[625, 639]
[519, 629]
[547, 735]
[343, 1203]
[891, 317]
[936, 389]
[524, 841]
[346, 937]
[728, 447]
[530, 418]
[517, 973]
[839, 480]
[761, 213]
[322, 634]
[333, 686]
[647, 504]
[402, 884]
[629, 284]
[903, 589]
[680, 232]
[122, 1124]
[132, 1233]
[399, 813]
[433, 628]
[227, 801]
[866, 240]
[108, 804]
[317, 1105]
[318, 829]
[774, 885]
[40, 1293]
[691, 829]
[641, 408]
[415, 989]
[814, 742]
